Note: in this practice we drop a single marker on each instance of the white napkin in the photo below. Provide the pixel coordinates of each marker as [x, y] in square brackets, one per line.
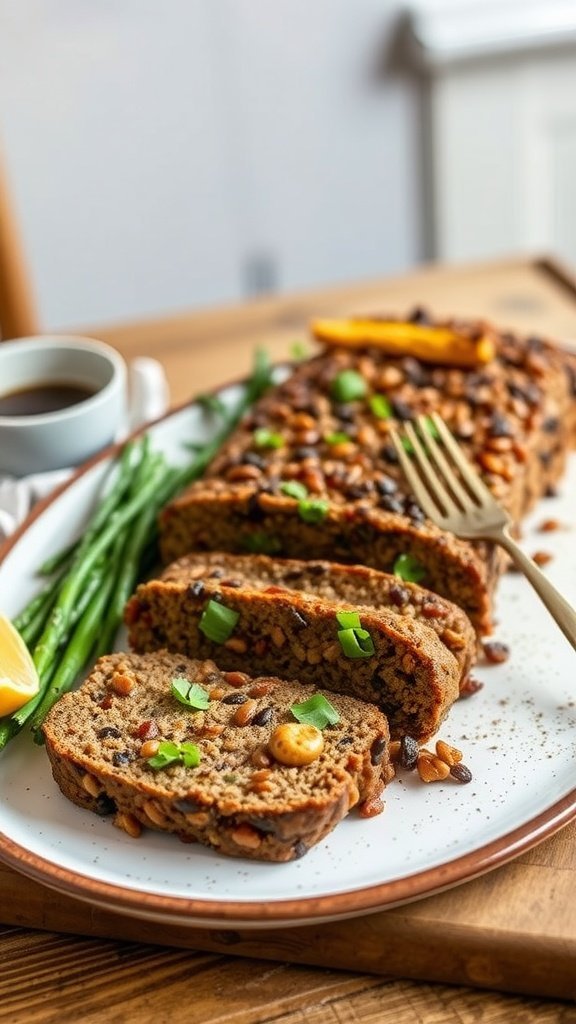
[148, 398]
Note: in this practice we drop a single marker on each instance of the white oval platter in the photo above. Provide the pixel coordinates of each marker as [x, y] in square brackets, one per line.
[518, 735]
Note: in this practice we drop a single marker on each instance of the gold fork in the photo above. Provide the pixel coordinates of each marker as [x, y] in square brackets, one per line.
[452, 494]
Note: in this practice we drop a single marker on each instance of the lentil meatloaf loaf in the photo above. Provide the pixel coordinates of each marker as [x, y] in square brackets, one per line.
[402, 664]
[311, 471]
[247, 791]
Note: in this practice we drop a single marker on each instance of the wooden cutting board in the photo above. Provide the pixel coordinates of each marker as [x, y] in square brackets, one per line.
[513, 929]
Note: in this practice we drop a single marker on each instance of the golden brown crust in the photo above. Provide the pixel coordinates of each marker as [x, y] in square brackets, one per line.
[514, 417]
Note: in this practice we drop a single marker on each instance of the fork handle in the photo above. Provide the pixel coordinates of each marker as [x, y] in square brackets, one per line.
[557, 605]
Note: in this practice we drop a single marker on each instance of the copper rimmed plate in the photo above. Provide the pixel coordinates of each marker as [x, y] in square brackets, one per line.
[518, 734]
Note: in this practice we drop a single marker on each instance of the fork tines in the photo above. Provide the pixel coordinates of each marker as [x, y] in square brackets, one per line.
[442, 479]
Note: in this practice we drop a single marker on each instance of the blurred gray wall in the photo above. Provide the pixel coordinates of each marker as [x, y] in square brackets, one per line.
[165, 154]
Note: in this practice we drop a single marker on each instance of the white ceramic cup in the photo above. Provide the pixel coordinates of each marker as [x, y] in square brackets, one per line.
[68, 436]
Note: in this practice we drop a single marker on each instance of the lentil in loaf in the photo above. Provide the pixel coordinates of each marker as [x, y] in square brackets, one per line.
[412, 675]
[514, 417]
[240, 799]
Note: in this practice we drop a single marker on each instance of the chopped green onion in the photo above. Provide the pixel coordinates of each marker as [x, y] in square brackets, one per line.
[231, 778]
[348, 385]
[211, 403]
[317, 710]
[169, 753]
[299, 350]
[312, 510]
[380, 406]
[356, 643]
[409, 568]
[337, 438]
[192, 695]
[218, 622]
[261, 543]
[294, 489]
[265, 438]
[349, 620]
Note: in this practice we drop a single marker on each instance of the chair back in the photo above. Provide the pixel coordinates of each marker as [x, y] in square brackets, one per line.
[18, 316]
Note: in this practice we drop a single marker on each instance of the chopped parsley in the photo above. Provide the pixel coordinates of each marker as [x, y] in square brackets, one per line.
[337, 438]
[218, 622]
[312, 510]
[192, 695]
[169, 753]
[380, 406]
[294, 489]
[262, 543]
[348, 385]
[265, 438]
[317, 710]
[299, 350]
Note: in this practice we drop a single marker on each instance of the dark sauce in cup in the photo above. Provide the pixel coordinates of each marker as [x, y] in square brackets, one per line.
[37, 399]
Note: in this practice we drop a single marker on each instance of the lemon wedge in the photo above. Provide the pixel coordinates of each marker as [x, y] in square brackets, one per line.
[18, 676]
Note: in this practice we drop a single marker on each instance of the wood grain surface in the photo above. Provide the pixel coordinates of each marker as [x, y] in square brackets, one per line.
[511, 931]
[73, 979]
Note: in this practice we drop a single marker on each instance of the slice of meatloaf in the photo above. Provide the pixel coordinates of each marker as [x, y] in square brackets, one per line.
[239, 799]
[514, 417]
[407, 670]
[353, 585]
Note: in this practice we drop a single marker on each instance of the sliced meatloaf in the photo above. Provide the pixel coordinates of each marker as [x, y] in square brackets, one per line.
[403, 667]
[352, 585]
[514, 417]
[242, 797]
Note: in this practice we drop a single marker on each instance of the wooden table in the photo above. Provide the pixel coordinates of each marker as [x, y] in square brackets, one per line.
[491, 950]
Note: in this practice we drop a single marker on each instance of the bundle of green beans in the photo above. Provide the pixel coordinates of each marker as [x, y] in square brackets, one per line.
[76, 615]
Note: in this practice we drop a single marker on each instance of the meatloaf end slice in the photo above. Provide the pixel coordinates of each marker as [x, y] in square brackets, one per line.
[311, 471]
[239, 799]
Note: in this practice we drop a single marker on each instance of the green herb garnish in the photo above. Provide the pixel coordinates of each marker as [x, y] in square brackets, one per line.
[348, 385]
[409, 569]
[261, 543]
[348, 620]
[312, 510]
[299, 350]
[218, 622]
[169, 753]
[192, 695]
[337, 438]
[212, 403]
[294, 489]
[380, 406]
[265, 438]
[317, 710]
[355, 641]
